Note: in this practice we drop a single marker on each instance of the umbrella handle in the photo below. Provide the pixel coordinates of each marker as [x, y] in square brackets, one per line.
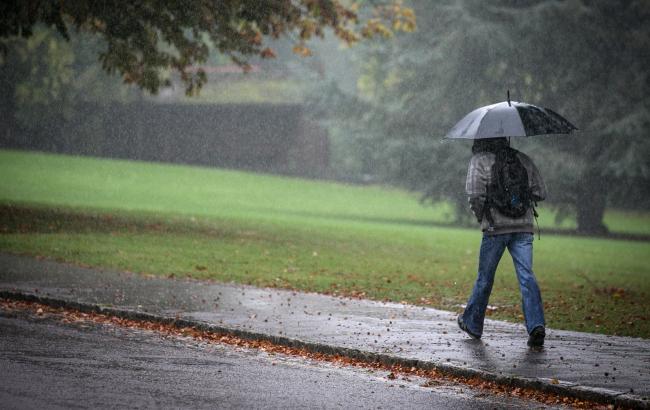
[509, 105]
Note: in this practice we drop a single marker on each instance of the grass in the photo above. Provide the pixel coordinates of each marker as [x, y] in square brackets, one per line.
[316, 236]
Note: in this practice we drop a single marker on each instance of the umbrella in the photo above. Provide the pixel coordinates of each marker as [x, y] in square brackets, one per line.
[510, 119]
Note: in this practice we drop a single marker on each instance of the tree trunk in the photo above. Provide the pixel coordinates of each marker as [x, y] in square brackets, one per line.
[591, 202]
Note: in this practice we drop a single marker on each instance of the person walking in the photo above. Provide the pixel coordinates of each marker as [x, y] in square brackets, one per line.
[503, 185]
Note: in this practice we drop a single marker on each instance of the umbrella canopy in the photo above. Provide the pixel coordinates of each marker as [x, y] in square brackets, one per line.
[510, 119]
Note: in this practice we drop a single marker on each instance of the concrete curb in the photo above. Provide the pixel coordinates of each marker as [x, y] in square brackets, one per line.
[600, 395]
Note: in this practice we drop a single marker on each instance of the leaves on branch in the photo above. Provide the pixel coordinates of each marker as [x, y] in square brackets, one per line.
[147, 38]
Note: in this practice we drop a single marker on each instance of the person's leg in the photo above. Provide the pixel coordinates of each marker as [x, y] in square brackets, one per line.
[521, 250]
[492, 248]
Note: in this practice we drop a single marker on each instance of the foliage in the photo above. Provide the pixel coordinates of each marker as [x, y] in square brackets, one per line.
[55, 74]
[42, 72]
[145, 38]
[586, 60]
[47, 82]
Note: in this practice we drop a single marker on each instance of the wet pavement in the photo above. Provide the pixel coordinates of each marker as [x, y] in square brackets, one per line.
[47, 364]
[616, 366]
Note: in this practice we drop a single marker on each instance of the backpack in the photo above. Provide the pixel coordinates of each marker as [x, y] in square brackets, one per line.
[509, 191]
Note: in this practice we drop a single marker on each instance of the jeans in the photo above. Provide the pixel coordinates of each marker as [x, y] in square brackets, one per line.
[520, 246]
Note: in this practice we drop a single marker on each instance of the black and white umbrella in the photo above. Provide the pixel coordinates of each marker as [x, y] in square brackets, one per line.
[510, 119]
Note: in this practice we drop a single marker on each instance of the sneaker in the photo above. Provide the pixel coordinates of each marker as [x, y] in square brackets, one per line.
[536, 338]
[464, 328]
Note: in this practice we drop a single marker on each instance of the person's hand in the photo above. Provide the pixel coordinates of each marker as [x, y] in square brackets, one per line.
[477, 206]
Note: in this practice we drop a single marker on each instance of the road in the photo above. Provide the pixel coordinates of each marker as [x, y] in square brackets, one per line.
[49, 364]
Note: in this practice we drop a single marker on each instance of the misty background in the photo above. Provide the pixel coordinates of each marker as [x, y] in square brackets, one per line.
[375, 112]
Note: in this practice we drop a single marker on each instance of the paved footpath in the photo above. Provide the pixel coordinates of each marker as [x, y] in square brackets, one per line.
[614, 369]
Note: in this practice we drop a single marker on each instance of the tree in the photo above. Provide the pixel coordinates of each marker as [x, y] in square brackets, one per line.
[44, 85]
[144, 38]
[585, 59]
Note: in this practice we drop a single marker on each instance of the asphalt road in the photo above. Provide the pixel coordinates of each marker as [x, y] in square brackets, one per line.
[48, 364]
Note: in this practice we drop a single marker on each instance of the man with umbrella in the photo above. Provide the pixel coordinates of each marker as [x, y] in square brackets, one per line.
[503, 185]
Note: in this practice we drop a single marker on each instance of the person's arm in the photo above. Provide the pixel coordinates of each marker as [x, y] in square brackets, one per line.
[476, 186]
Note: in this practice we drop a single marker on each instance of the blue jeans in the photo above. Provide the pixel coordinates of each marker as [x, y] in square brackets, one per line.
[520, 246]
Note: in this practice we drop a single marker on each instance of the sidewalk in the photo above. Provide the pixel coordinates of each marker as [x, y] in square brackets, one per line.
[615, 369]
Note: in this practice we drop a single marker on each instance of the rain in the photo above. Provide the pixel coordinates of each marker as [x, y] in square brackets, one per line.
[301, 171]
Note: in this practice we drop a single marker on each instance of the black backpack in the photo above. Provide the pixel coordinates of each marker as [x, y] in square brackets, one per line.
[509, 191]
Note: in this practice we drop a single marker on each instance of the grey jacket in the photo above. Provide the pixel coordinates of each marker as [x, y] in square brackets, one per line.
[478, 178]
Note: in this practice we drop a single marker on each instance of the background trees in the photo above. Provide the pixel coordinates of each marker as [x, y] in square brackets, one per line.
[587, 60]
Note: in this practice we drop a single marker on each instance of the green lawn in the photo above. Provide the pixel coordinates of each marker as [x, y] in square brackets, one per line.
[308, 235]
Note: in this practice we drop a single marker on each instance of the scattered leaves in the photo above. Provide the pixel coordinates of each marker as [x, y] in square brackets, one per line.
[434, 377]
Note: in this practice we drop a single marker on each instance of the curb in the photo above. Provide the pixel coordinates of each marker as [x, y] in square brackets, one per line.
[595, 394]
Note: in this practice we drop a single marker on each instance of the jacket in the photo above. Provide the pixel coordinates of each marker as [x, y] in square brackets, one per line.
[478, 178]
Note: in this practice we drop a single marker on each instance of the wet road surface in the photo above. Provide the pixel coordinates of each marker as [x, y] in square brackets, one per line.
[49, 364]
